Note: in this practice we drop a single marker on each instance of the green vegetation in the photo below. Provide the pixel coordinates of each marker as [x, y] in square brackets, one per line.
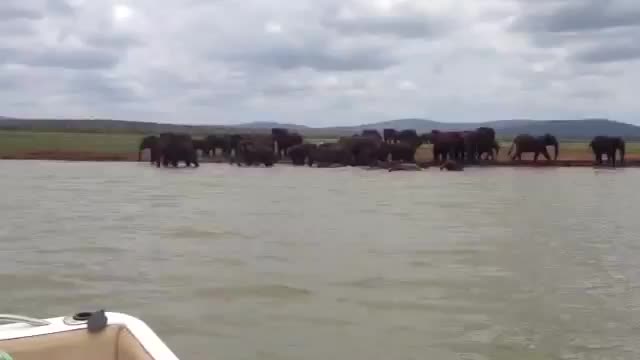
[15, 142]
[24, 142]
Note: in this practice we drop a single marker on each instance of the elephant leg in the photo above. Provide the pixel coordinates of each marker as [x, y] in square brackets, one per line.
[546, 155]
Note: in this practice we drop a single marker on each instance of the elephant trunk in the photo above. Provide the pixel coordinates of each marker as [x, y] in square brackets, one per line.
[622, 146]
[556, 148]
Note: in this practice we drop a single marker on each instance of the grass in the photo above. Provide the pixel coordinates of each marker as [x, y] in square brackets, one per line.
[123, 146]
[16, 142]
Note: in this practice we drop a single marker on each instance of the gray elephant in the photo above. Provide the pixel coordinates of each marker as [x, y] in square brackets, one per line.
[608, 145]
[218, 141]
[446, 145]
[491, 151]
[398, 152]
[283, 140]
[172, 148]
[148, 142]
[389, 135]
[371, 133]
[255, 149]
[537, 145]
[363, 149]
[300, 153]
[325, 155]
[451, 165]
[482, 138]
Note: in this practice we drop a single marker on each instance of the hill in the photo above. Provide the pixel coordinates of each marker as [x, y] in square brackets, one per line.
[565, 129]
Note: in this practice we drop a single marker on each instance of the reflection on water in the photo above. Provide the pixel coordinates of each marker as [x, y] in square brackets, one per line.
[289, 263]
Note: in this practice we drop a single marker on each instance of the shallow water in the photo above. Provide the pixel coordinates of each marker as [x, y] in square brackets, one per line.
[297, 263]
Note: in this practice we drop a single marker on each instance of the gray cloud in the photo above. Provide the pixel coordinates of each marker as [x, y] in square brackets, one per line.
[608, 53]
[580, 15]
[319, 62]
[319, 58]
[405, 22]
[78, 59]
[15, 13]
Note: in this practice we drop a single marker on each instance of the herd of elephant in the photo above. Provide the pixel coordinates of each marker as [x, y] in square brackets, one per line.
[369, 148]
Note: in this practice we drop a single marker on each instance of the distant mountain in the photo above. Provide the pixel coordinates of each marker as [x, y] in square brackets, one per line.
[269, 125]
[565, 129]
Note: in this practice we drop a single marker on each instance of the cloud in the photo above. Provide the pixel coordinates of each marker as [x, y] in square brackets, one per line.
[319, 62]
[581, 15]
[609, 53]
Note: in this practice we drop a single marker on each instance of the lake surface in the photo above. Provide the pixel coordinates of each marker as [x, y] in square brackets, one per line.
[297, 263]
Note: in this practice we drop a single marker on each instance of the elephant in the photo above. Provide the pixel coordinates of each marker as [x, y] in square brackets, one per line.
[265, 140]
[371, 133]
[148, 142]
[451, 165]
[525, 143]
[218, 141]
[607, 145]
[175, 147]
[254, 149]
[201, 144]
[398, 151]
[363, 149]
[481, 138]
[492, 151]
[446, 144]
[389, 135]
[300, 153]
[325, 155]
[409, 137]
[403, 167]
[284, 139]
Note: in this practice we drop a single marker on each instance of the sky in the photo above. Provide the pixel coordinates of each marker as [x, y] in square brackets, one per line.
[319, 62]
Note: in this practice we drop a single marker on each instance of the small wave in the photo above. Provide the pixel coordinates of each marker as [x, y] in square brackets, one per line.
[279, 292]
[87, 249]
[422, 283]
[208, 234]
[14, 282]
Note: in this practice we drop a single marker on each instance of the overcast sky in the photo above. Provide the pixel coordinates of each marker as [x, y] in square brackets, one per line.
[320, 62]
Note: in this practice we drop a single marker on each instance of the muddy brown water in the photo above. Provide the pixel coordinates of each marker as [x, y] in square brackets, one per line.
[298, 263]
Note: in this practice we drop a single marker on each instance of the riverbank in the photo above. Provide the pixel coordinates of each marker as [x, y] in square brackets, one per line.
[64, 155]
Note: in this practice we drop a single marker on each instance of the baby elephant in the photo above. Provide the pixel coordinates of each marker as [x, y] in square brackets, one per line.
[451, 165]
[404, 167]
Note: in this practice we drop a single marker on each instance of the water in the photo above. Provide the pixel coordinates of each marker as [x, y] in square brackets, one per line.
[297, 263]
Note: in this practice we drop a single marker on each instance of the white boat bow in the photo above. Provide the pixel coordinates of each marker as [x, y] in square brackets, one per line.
[81, 337]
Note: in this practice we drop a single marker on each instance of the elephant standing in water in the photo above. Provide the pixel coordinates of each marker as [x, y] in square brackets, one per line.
[201, 144]
[389, 135]
[526, 143]
[482, 138]
[399, 152]
[446, 145]
[300, 153]
[325, 155]
[372, 133]
[172, 148]
[492, 150]
[254, 149]
[364, 150]
[283, 139]
[218, 141]
[607, 145]
[148, 142]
